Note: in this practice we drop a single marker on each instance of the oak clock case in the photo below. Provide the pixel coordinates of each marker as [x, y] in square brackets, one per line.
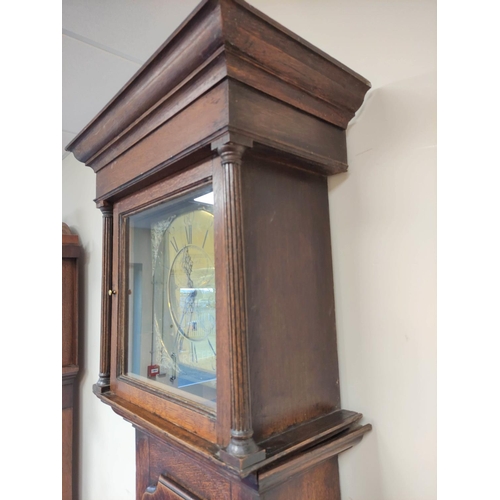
[218, 340]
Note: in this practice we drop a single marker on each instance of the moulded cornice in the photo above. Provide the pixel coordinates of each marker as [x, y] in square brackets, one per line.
[221, 39]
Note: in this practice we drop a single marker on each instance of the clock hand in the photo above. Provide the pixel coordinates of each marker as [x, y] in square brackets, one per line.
[187, 265]
[191, 324]
[188, 308]
[192, 299]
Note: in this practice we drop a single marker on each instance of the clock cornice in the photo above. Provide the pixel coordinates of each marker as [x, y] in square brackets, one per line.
[228, 44]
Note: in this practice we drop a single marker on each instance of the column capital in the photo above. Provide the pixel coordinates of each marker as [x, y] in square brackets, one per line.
[105, 207]
[231, 153]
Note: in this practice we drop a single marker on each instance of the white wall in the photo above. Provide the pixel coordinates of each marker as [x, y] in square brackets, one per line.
[383, 215]
[383, 219]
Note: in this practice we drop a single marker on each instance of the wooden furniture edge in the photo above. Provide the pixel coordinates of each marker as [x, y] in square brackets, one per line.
[159, 427]
[301, 40]
[92, 141]
[70, 371]
[329, 442]
[297, 464]
[312, 437]
[164, 488]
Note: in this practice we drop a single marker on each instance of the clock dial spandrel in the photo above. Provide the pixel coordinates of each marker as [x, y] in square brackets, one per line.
[171, 302]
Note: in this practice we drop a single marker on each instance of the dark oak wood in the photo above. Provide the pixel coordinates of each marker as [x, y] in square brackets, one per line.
[106, 294]
[167, 490]
[291, 311]
[272, 123]
[242, 450]
[234, 100]
[304, 436]
[205, 77]
[224, 411]
[251, 114]
[319, 482]
[71, 251]
[142, 460]
[295, 465]
[163, 147]
[310, 474]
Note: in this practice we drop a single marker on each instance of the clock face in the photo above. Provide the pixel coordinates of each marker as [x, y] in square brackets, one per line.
[191, 288]
[172, 327]
[191, 293]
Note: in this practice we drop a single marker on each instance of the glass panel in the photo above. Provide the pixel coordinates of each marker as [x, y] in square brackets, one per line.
[171, 302]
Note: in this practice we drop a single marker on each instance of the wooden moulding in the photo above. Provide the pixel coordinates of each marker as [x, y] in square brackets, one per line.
[228, 110]
[71, 252]
[242, 450]
[317, 440]
[70, 243]
[266, 65]
[296, 464]
[160, 428]
[167, 489]
[164, 471]
[103, 382]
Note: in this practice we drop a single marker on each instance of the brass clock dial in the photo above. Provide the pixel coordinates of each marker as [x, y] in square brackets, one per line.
[191, 287]
[176, 241]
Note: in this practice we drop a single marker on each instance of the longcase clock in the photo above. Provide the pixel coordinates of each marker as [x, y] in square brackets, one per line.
[218, 338]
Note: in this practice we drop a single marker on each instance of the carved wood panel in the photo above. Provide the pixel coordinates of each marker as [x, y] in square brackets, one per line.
[167, 489]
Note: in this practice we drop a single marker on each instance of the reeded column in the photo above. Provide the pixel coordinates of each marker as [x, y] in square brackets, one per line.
[103, 383]
[242, 450]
